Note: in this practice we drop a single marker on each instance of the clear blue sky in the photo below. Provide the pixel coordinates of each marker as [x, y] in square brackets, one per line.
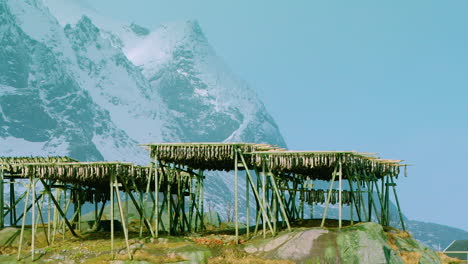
[388, 77]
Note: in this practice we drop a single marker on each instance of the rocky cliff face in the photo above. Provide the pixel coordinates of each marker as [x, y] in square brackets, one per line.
[43, 108]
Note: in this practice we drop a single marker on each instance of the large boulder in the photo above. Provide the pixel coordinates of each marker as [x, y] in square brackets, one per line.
[362, 243]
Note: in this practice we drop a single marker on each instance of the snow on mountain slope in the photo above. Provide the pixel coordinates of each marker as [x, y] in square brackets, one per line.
[181, 65]
[203, 100]
[114, 82]
[43, 106]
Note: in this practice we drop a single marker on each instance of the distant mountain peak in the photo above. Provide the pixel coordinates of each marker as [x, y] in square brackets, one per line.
[84, 30]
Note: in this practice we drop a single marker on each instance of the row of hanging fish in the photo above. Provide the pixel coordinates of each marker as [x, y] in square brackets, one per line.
[90, 195]
[320, 196]
[84, 174]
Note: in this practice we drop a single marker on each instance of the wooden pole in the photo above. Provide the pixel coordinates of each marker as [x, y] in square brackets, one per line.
[96, 212]
[33, 226]
[122, 216]
[80, 193]
[24, 219]
[39, 210]
[274, 211]
[49, 211]
[112, 213]
[169, 204]
[236, 196]
[56, 217]
[67, 205]
[340, 206]
[256, 192]
[387, 199]
[202, 199]
[30, 206]
[139, 209]
[47, 187]
[126, 208]
[280, 200]
[142, 205]
[362, 206]
[372, 203]
[247, 204]
[398, 204]
[2, 202]
[155, 163]
[328, 199]
[264, 200]
[12, 201]
[191, 203]
[382, 204]
[256, 189]
[353, 199]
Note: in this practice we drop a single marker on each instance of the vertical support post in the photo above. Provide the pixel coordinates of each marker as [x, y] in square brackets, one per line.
[156, 196]
[256, 194]
[33, 238]
[169, 204]
[13, 202]
[280, 200]
[191, 203]
[370, 199]
[302, 198]
[2, 202]
[20, 245]
[140, 200]
[311, 203]
[80, 198]
[56, 217]
[247, 203]
[354, 203]
[340, 208]
[126, 208]
[351, 197]
[202, 199]
[361, 206]
[96, 213]
[274, 211]
[351, 211]
[39, 209]
[387, 199]
[236, 195]
[398, 204]
[256, 188]
[49, 211]
[328, 199]
[112, 213]
[122, 217]
[264, 198]
[382, 203]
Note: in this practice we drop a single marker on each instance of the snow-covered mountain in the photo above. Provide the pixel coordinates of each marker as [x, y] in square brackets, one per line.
[78, 84]
[165, 85]
[70, 87]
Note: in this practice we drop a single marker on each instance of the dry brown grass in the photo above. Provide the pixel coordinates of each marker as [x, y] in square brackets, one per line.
[410, 257]
[448, 260]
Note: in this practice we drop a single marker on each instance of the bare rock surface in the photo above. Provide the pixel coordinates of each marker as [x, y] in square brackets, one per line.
[362, 243]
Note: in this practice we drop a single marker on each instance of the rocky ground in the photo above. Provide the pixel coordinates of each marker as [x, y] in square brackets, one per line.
[361, 243]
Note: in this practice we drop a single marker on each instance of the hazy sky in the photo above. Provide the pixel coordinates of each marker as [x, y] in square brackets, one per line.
[370, 76]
